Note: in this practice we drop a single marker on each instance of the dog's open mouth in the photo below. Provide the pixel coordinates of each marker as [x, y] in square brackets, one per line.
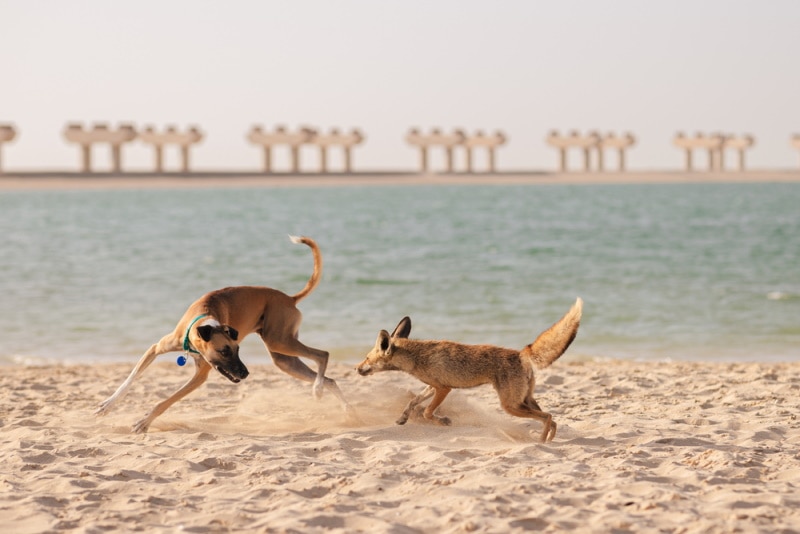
[224, 372]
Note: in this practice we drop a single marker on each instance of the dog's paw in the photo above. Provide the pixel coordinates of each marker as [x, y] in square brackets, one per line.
[403, 420]
[444, 420]
[103, 408]
[317, 390]
[141, 427]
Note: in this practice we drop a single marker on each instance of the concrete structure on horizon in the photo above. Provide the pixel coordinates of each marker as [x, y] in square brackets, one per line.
[490, 142]
[7, 134]
[336, 138]
[171, 136]
[586, 143]
[740, 144]
[619, 143]
[100, 134]
[795, 141]
[715, 144]
[281, 136]
[435, 138]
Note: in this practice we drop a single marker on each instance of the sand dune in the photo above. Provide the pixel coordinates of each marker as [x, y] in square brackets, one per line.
[641, 447]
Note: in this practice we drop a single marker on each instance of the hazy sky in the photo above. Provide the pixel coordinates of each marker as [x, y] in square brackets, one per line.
[525, 67]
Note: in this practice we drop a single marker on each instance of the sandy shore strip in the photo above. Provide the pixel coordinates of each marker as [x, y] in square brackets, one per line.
[641, 447]
[78, 181]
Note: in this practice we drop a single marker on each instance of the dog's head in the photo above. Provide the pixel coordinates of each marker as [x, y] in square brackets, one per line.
[381, 355]
[219, 347]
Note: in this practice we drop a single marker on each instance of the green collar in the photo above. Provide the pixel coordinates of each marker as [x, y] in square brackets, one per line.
[187, 346]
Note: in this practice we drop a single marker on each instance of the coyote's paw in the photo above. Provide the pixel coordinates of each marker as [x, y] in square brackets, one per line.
[444, 420]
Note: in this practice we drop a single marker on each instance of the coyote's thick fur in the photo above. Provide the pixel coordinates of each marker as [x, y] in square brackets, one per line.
[446, 365]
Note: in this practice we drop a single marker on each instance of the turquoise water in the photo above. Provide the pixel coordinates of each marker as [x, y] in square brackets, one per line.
[690, 272]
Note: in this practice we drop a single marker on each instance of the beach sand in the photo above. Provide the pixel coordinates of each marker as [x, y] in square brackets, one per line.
[641, 447]
[77, 181]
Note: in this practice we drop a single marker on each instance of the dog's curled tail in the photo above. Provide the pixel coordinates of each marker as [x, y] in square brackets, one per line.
[554, 341]
[317, 274]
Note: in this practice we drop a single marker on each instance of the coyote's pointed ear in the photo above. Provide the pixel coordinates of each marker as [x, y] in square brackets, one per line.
[232, 332]
[383, 342]
[403, 328]
[205, 332]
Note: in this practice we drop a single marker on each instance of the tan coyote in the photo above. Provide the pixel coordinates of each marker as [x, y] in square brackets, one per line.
[446, 365]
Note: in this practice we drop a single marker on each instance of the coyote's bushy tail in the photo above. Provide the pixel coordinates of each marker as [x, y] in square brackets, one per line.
[554, 341]
[315, 276]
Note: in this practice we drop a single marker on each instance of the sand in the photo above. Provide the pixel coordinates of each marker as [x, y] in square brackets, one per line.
[641, 447]
[77, 181]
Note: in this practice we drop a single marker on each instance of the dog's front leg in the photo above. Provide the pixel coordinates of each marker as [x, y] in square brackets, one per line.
[426, 394]
[200, 375]
[166, 344]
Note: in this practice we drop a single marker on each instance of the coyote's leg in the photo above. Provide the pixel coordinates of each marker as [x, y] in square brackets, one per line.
[426, 394]
[526, 410]
[438, 398]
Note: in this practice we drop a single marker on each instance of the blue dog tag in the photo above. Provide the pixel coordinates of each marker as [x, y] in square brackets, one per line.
[181, 360]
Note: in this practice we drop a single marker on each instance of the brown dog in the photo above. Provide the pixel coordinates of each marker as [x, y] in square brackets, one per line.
[445, 365]
[210, 330]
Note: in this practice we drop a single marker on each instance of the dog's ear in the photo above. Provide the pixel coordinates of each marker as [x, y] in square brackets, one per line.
[383, 341]
[232, 332]
[205, 332]
[403, 328]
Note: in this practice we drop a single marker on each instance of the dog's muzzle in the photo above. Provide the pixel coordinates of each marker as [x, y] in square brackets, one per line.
[364, 370]
[235, 373]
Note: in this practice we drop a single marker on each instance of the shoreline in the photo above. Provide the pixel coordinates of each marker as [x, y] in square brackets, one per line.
[696, 447]
[44, 180]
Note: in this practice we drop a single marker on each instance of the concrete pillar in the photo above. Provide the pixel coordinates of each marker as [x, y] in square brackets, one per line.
[795, 141]
[490, 142]
[7, 134]
[281, 136]
[601, 166]
[336, 138]
[171, 136]
[560, 143]
[685, 144]
[415, 138]
[436, 138]
[620, 143]
[586, 143]
[739, 144]
[713, 144]
[589, 144]
[100, 133]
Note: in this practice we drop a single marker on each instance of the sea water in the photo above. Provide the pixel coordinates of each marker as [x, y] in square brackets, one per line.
[683, 272]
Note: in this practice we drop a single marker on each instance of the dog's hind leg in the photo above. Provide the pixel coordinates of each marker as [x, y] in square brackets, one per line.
[202, 368]
[167, 343]
[295, 367]
[426, 394]
[293, 347]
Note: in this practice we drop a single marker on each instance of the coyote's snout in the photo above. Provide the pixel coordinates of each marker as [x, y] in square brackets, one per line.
[446, 365]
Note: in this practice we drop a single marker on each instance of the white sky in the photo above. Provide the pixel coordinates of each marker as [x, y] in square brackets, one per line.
[525, 67]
